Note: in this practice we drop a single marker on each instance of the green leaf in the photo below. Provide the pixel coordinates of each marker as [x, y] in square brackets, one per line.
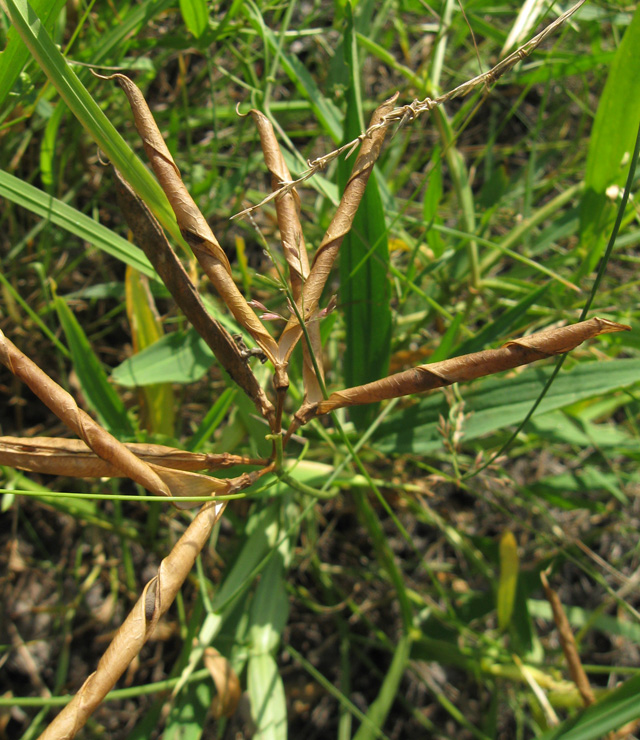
[179, 357]
[16, 55]
[38, 202]
[620, 707]
[270, 608]
[611, 142]
[497, 403]
[508, 581]
[99, 393]
[188, 716]
[195, 15]
[268, 704]
[365, 289]
[87, 111]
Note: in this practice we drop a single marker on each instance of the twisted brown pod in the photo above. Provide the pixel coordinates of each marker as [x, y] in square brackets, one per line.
[192, 223]
[73, 458]
[157, 597]
[338, 228]
[517, 352]
[294, 248]
[159, 480]
[151, 239]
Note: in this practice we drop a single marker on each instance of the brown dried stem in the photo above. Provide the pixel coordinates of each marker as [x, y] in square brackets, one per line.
[568, 642]
[157, 479]
[72, 457]
[157, 597]
[294, 249]
[411, 111]
[192, 223]
[338, 228]
[151, 239]
[546, 343]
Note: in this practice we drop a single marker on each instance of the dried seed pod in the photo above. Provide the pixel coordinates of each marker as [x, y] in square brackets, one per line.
[155, 478]
[151, 239]
[294, 248]
[157, 597]
[338, 228]
[72, 457]
[517, 352]
[192, 223]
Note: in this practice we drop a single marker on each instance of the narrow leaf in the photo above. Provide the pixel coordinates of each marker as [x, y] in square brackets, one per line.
[86, 110]
[611, 142]
[195, 16]
[364, 258]
[158, 402]
[507, 584]
[99, 393]
[37, 201]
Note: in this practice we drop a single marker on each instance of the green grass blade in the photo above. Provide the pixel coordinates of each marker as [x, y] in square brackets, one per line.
[212, 419]
[158, 402]
[614, 131]
[37, 201]
[324, 108]
[87, 111]
[380, 708]
[99, 394]
[508, 580]
[364, 257]
[195, 16]
[16, 55]
[268, 702]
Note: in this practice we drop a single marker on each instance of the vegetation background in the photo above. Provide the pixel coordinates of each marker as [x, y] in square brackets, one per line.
[413, 608]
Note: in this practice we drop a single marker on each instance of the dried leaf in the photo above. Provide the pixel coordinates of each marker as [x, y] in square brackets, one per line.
[151, 239]
[192, 223]
[155, 600]
[294, 249]
[568, 642]
[339, 226]
[227, 684]
[537, 346]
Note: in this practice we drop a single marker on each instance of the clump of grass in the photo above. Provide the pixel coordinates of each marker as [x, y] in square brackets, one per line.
[470, 280]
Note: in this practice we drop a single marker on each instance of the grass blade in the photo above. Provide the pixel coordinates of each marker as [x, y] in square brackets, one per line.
[37, 201]
[158, 402]
[614, 131]
[99, 393]
[364, 258]
[87, 111]
[195, 16]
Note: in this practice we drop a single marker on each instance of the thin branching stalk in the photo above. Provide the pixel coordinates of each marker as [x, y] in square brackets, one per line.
[568, 642]
[410, 112]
